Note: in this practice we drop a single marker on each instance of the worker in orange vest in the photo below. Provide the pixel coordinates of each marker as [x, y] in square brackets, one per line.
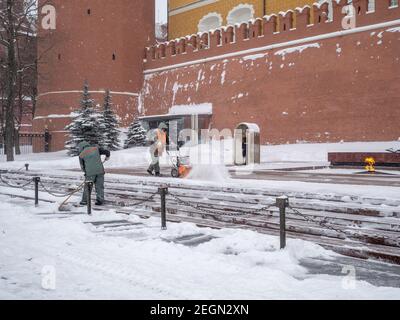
[159, 139]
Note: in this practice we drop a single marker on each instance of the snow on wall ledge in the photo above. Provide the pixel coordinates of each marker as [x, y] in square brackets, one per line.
[344, 87]
[203, 108]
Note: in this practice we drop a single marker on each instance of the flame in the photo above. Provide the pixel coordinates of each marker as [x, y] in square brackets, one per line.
[370, 164]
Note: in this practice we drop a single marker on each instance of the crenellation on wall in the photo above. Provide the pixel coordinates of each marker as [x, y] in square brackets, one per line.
[321, 13]
[181, 46]
[242, 32]
[303, 18]
[286, 20]
[270, 24]
[361, 6]
[286, 26]
[215, 38]
[257, 28]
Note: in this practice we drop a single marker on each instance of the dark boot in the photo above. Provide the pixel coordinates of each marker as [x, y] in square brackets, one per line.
[99, 203]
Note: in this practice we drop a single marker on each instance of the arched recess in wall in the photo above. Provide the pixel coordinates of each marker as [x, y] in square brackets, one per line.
[240, 13]
[210, 21]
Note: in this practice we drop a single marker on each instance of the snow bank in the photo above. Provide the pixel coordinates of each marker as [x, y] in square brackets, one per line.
[146, 263]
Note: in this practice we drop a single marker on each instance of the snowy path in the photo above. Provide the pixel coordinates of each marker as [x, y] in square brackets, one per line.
[330, 176]
[139, 261]
[374, 221]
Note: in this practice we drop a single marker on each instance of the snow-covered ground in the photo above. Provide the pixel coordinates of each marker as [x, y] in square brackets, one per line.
[272, 157]
[45, 257]
[279, 156]
[314, 153]
[147, 263]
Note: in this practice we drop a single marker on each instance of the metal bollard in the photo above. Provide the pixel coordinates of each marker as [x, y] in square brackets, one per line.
[282, 203]
[163, 192]
[89, 188]
[27, 166]
[36, 180]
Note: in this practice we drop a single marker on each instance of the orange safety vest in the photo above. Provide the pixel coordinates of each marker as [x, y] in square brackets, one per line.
[162, 136]
[161, 141]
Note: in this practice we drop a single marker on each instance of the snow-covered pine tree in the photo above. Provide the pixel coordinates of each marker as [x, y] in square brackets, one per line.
[109, 119]
[136, 135]
[85, 125]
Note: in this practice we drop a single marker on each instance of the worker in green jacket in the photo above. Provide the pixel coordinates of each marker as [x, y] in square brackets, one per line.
[92, 166]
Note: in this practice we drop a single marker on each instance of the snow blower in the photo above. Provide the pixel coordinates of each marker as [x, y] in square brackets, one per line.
[180, 165]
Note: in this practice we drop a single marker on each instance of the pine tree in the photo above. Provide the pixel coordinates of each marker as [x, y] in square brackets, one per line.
[85, 126]
[109, 119]
[136, 135]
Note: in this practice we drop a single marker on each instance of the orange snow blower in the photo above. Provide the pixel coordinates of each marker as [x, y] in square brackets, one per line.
[180, 166]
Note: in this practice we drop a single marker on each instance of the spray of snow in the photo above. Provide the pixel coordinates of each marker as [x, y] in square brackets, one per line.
[213, 173]
[209, 160]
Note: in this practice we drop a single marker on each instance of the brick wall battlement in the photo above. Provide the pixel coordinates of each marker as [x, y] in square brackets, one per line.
[310, 21]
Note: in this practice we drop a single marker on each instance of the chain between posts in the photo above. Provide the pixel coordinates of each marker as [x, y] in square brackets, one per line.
[259, 211]
[19, 186]
[59, 195]
[204, 210]
[151, 197]
[322, 223]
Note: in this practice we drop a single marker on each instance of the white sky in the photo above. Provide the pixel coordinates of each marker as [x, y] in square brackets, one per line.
[161, 11]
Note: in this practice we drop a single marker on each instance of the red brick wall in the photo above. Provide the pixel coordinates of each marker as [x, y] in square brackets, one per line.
[341, 88]
[344, 87]
[82, 47]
